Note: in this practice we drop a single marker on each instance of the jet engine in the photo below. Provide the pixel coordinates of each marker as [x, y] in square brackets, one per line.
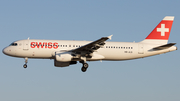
[63, 57]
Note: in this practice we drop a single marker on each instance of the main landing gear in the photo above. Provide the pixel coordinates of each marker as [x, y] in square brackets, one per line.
[85, 66]
[26, 61]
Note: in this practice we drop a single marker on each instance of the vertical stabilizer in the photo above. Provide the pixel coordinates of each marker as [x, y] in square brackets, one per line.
[161, 32]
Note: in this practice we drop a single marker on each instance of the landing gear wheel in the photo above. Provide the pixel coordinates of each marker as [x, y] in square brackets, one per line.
[25, 65]
[85, 65]
[84, 68]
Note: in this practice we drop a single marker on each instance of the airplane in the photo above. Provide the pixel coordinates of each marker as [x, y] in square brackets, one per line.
[66, 52]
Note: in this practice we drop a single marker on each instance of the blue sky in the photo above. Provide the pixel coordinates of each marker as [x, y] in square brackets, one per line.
[154, 78]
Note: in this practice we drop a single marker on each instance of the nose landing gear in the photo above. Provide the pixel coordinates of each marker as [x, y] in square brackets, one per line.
[26, 61]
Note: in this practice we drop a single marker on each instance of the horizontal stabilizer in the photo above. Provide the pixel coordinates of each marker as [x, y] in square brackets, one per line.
[164, 46]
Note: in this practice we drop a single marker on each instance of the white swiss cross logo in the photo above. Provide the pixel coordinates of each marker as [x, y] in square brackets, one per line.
[162, 29]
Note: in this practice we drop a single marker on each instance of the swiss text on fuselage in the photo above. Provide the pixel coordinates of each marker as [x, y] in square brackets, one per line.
[44, 45]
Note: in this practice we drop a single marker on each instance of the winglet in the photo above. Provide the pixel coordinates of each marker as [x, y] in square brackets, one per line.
[110, 37]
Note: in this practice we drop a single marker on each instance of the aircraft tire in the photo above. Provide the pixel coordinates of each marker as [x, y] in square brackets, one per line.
[85, 65]
[25, 66]
[83, 69]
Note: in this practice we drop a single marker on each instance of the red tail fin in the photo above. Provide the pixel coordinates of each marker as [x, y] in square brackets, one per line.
[162, 30]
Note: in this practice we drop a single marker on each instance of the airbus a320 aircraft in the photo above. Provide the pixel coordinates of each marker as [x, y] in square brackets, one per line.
[67, 52]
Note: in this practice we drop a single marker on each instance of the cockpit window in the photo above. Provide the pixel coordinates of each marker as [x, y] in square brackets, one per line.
[13, 44]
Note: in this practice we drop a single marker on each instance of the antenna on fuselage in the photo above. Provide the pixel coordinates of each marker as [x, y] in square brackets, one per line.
[28, 38]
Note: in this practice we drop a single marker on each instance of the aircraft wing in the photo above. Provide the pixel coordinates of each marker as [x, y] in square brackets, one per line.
[91, 47]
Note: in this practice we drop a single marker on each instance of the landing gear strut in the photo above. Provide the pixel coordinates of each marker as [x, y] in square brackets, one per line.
[26, 61]
[85, 65]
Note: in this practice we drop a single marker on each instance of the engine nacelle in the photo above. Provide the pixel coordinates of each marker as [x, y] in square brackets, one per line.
[63, 64]
[63, 57]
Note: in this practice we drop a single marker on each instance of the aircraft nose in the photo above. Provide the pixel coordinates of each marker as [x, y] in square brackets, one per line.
[5, 51]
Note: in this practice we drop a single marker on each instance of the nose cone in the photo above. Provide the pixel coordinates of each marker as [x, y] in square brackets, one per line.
[5, 51]
[9, 51]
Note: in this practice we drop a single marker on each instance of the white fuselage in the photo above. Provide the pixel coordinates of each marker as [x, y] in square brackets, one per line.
[110, 51]
[65, 52]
